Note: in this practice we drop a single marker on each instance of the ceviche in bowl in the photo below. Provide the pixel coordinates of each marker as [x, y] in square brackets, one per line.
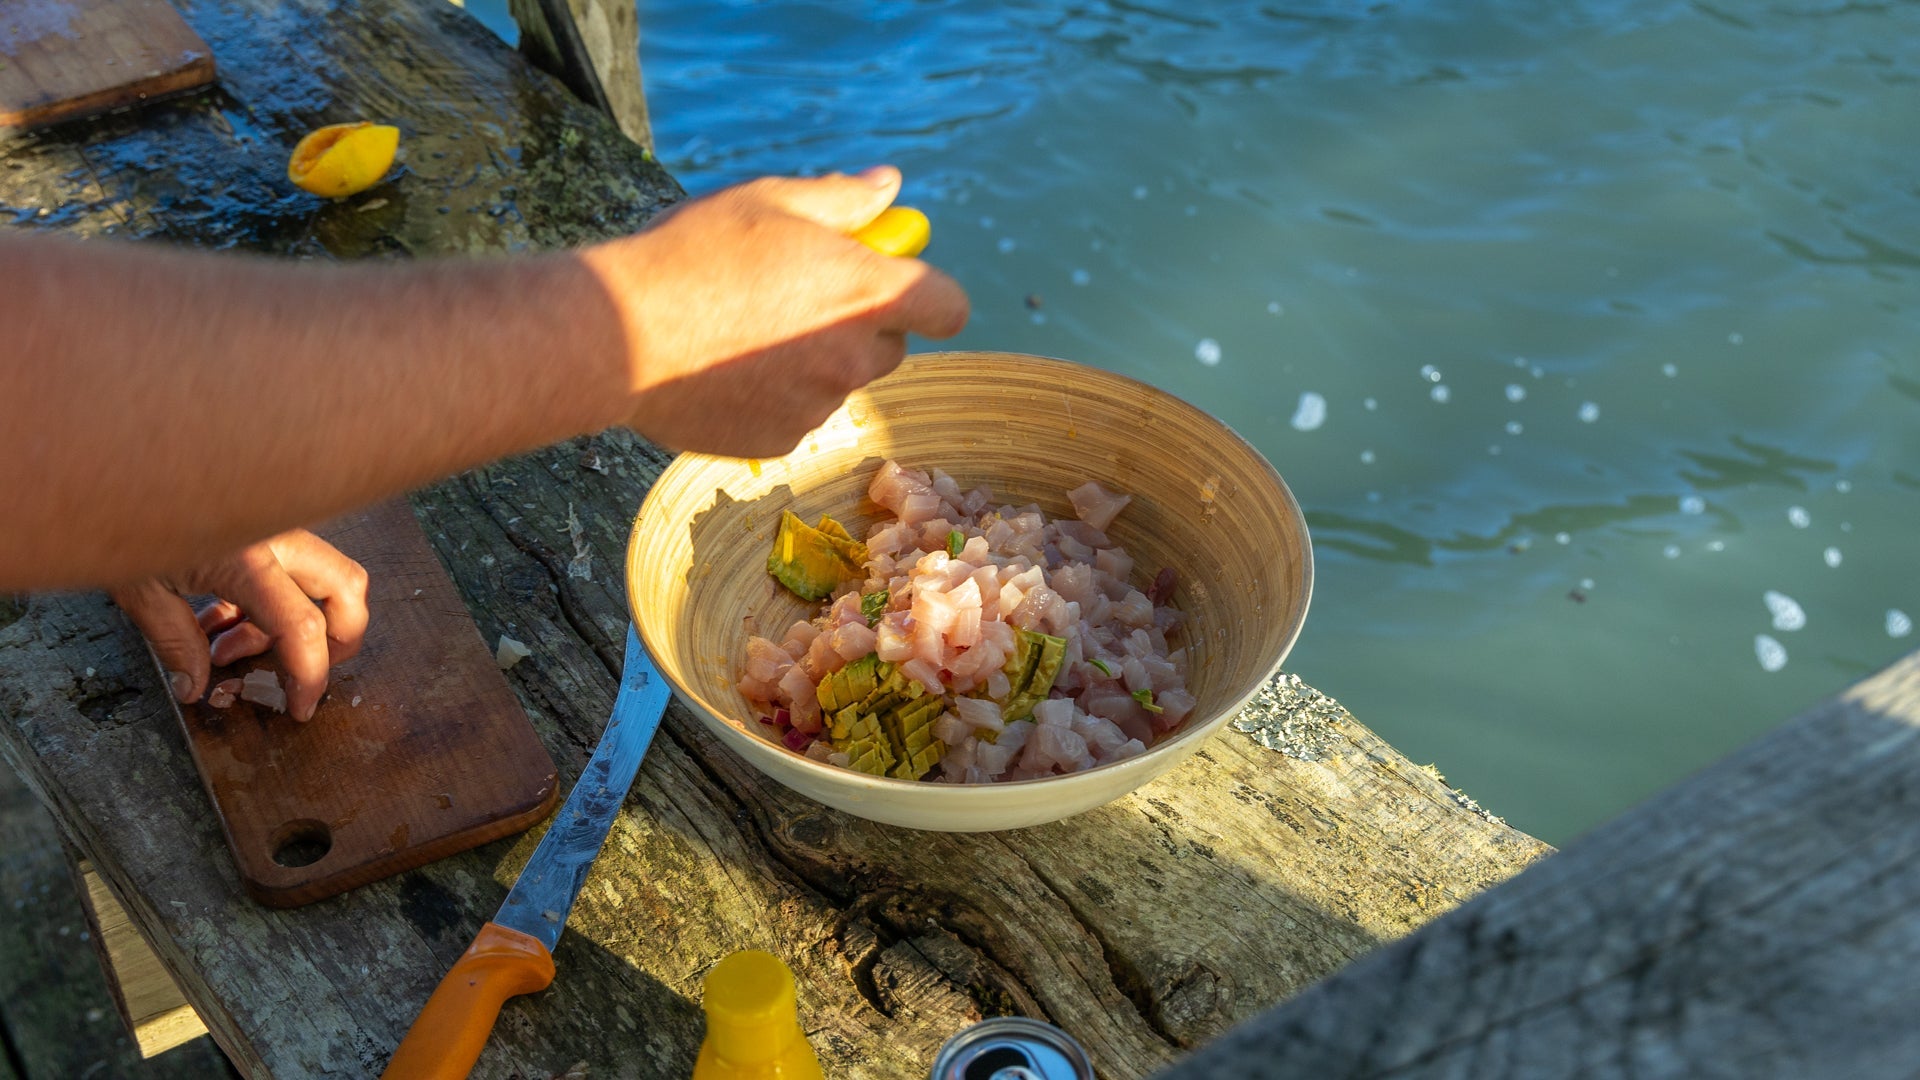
[993, 590]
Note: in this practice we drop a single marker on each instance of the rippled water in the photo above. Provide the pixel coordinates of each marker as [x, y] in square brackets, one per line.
[1581, 329]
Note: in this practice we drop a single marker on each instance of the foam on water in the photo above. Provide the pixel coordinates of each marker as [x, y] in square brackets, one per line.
[1516, 393]
[1310, 413]
[1831, 556]
[1207, 352]
[1692, 504]
[1787, 613]
[1589, 412]
[1440, 393]
[1798, 517]
[1771, 654]
[1898, 624]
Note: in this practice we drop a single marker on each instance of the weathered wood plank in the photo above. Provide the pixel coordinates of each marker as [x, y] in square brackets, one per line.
[1761, 919]
[594, 47]
[56, 1013]
[150, 1004]
[1144, 928]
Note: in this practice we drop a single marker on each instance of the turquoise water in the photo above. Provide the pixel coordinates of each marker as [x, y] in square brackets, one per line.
[1611, 305]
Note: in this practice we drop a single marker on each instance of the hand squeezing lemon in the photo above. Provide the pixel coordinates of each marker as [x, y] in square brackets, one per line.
[343, 159]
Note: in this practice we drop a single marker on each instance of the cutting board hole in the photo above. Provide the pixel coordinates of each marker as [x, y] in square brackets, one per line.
[302, 843]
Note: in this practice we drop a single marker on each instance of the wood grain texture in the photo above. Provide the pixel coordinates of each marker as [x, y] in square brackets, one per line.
[66, 59]
[418, 749]
[1145, 927]
[1760, 920]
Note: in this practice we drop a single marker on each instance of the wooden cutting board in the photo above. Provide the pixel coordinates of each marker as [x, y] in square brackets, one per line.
[419, 749]
[64, 59]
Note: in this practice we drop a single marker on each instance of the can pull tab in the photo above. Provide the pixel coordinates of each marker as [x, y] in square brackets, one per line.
[1002, 1063]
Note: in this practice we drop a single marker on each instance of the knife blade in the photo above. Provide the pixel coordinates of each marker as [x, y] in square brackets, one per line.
[513, 953]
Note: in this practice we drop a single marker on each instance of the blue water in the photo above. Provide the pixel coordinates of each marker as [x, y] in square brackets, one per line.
[1612, 307]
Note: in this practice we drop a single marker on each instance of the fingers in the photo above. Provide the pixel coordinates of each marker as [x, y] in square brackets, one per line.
[277, 608]
[841, 203]
[335, 582]
[167, 621]
[219, 615]
[931, 304]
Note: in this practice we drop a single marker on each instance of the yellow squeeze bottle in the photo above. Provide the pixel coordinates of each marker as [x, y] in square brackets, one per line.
[753, 1023]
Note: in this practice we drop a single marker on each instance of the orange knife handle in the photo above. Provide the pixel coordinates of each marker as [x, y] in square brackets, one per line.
[453, 1026]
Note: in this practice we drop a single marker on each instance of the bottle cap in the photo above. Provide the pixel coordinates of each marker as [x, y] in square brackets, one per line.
[750, 1006]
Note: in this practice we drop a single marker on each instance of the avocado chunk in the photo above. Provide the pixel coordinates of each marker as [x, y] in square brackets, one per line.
[882, 720]
[1031, 669]
[812, 562]
[849, 685]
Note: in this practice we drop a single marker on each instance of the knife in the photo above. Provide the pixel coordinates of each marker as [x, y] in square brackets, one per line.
[513, 954]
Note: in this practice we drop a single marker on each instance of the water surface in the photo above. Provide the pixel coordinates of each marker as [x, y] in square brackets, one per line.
[1611, 307]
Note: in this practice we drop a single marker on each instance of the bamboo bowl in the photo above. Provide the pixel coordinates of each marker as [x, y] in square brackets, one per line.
[1205, 503]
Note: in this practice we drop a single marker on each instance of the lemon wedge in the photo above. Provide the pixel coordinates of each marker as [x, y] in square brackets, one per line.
[899, 230]
[343, 159]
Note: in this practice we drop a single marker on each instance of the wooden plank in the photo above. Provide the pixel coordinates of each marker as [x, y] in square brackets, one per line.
[1760, 920]
[56, 1010]
[418, 750]
[150, 1004]
[593, 46]
[1144, 927]
[66, 59]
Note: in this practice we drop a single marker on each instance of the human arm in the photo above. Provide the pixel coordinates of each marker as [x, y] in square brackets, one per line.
[166, 407]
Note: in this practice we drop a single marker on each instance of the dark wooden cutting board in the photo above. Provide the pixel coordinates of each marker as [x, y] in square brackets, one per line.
[418, 750]
[64, 59]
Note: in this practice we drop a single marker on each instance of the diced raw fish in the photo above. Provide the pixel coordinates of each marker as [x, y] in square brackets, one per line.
[1054, 712]
[1103, 736]
[1069, 548]
[927, 675]
[1135, 610]
[224, 693]
[1055, 744]
[1133, 672]
[892, 640]
[918, 508]
[945, 486]
[1095, 505]
[980, 713]
[951, 728]
[976, 500]
[1113, 561]
[1075, 583]
[1176, 705]
[1082, 532]
[262, 687]
[959, 759]
[1130, 748]
[999, 686]
[796, 691]
[1033, 608]
[819, 750]
[853, 640]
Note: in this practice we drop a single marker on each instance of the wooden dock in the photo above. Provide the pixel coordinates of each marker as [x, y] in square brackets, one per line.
[1147, 927]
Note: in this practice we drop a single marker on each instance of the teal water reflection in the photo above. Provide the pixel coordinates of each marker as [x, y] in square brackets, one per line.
[1577, 327]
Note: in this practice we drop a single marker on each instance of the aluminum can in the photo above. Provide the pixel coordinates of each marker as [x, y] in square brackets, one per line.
[1012, 1048]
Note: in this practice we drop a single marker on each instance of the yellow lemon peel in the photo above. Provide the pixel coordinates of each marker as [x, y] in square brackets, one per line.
[343, 159]
[899, 230]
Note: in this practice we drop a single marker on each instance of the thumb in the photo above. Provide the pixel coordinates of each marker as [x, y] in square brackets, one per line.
[839, 202]
[168, 623]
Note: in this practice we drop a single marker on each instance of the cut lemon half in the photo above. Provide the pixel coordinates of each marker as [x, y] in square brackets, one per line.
[343, 159]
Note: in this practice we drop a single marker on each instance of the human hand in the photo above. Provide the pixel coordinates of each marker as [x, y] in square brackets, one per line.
[751, 314]
[294, 593]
